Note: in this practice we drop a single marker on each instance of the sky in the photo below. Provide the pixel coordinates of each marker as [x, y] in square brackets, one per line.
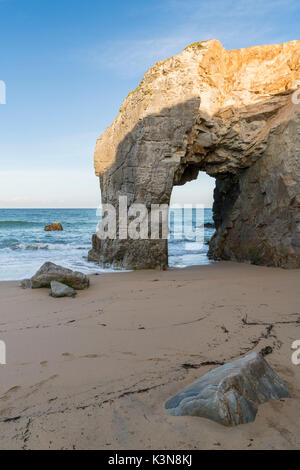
[68, 64]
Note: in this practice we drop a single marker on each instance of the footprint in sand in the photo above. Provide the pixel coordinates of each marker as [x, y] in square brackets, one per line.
[67, 355]
[86, 356]
[8, 393]
[91, 356]
[156, 359]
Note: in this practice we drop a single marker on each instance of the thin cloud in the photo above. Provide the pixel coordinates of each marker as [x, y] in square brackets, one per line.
[235, 23]
[231, 9]
[130, 58]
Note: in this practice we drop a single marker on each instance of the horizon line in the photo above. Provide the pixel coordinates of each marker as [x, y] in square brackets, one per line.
[78, 208]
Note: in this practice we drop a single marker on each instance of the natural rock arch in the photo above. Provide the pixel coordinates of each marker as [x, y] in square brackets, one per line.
[230, 114]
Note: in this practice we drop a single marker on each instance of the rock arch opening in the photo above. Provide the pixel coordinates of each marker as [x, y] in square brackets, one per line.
[191, 222]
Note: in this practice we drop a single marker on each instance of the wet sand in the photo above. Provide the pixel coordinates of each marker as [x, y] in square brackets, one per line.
[94, 372]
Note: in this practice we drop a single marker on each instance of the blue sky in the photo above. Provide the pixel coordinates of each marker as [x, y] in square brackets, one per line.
[68, 64]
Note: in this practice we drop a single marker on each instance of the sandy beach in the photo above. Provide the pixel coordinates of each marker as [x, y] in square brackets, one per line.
[94, 372]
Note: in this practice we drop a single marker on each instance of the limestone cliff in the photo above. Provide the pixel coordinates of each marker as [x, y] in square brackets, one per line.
[230, 114]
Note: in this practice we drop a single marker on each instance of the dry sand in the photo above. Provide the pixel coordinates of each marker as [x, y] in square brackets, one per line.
[94, 372]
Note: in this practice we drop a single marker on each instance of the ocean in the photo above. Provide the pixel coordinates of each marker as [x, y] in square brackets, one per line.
[25, 246]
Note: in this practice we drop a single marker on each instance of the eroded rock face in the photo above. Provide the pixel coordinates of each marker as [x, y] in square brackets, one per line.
[230, 114]
[230, 394]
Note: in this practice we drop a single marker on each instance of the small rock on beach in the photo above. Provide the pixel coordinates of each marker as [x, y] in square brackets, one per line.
[53, 272]
[59, 289]
[230, 394]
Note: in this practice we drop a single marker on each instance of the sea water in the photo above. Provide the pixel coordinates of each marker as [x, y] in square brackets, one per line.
[25, 246]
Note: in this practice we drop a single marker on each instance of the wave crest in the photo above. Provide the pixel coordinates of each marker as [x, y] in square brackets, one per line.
[18, 223]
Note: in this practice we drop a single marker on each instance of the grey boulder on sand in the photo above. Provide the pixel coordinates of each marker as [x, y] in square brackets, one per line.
[230, 394]
[61, 290]
[52, 272]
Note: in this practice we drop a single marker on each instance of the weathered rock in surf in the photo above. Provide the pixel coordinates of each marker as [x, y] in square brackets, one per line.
[61, 290]
[54, 227]
[230, 114]
[53, 272]
[230, 394]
